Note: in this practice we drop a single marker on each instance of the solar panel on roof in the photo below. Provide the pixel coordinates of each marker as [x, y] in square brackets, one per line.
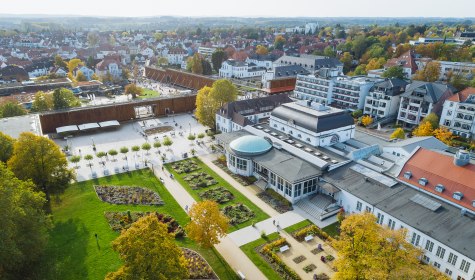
[425, 202]
[378, 177]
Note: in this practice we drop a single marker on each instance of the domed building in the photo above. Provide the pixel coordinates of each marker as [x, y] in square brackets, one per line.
[241, 151]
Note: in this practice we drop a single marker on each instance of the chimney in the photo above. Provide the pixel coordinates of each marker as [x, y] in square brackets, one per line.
[461, 158]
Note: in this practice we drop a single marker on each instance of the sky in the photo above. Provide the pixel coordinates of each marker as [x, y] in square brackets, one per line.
[244, 8]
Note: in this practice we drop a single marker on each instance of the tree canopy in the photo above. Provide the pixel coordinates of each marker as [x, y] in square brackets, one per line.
[148, 251]
[207, 223]
[394, 72]
[134, 90]
[217, 59]
[11, 109]
[398, 134]
[42, 102]
[40, 159]
[63, 98]
[197, 64]
[210, 99]
[6, 147]
[430, 73]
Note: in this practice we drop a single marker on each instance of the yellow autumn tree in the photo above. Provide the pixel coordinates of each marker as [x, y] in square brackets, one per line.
[398, 134]
[444, 135]
[207, 223]
[430, 73]
[424, 129]
[204, 107]
[366, 120]
[367, 250]
[261, 50]
[148, 251]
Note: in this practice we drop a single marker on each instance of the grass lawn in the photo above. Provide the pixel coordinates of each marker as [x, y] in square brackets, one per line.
[148, 93]
[297, 226]
[263, 266]
[238, 196]
[332, 229]
[78, 214]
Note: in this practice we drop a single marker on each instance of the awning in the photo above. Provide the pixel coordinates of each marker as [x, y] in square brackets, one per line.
[330, 188]
[68, 128]
[88, 126]
[109, 123]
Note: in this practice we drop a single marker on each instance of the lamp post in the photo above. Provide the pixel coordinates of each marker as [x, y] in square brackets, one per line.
[173, 114]
[190, 126]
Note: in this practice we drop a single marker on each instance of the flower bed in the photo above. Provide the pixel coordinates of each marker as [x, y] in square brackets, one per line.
[300, 234]
[275, 200]
[123, 220]
[309, 268]
[220, 195]
[199, 180]
[238, 213]
[299, 259]
[321, 276]
[268, 253]
[198, 268]
[128, 195]
[185, 166]
[158, 129]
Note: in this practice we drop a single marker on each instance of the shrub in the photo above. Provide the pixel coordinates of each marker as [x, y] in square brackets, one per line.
[201, 135]
[191, 137]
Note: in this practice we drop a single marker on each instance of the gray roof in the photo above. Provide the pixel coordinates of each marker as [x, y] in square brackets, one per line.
[432, 92]
[329, 62]
[390, 87]
[445, 225]
[427, 142]
[313, 122]
[287, 166]
[290, 71]
[226, 138]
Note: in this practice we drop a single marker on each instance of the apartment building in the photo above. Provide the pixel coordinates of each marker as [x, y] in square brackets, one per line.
[458, 113]
[240, 70]
[384, 98]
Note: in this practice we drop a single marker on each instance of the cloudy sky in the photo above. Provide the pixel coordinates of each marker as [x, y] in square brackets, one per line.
[246, 8]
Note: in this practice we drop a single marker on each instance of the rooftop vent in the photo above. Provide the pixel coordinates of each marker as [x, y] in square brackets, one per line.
[423, 181]
[461, 158]
[408, 174]
[439, 188]
[458, 195]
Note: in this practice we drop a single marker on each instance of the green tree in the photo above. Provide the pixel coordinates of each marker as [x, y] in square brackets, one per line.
[148, 251]
[279, 42]
[113, 153]
[433, 119]
[11, 109]
[75, 160]
[146, 147]
[207, 223]
[59, 62]
[41, 160]
[64, 98]
[162, 61]
[347, 60]
[42, 102]
[207, 70]
[209, 100]
[80, 77]
[6, 147]
[90, 62]
[135, 149]
[394, 72]
[197, 64]
[217, 59]
[93, 39]
[167, 141]
[24, 225]
[398, 134]
[329, 51]
[360, 70]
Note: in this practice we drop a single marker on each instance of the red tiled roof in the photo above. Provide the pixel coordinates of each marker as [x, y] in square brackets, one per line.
[405, 60]
[440, 169]
[463, 95]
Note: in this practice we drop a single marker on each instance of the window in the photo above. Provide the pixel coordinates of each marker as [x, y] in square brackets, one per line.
[440, 252]
[359, 205]
[391, 224]
[288, 189]
[272, 179]
[465, 266]
[447, 123]
[436, 264]
[368, 209]
[425, 259]
[429, 245]
[439, 188]
[448, 271]
[458, 195]
[415, 239]
[298, 190]
[232, 160]
[452, 259]
[408, 174]
[423, 181]
[449, 113]
[380, 219]
[241, 164]
[280, 183]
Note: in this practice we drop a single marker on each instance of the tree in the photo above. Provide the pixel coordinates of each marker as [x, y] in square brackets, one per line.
[24, 225]
[6, 144]
[135, 149]
[398, 134]
[75, 160]
[41, 160]
[93, 39]
[366, 120]
[80, 77]
[148, 251]
[134, 90]
[162, 61]
[394, 72]
[167, 141]
[197, 64]
[357, 113]
[430, 73]
[217, 59]
[367, 250]
[100, 155]
[73, 63]
[279, 42]
[209, 100]
[261, 50]
[207, 223]
[375, 63]
[347, 60]
[207, 70]
[158, 36]
[458, 81]
[89, 158]
[11, 109]
[64, 98]
[444, 135]
[59, 62]
[424, 129]
[433, 119]
[329, 51]
[42, 102]
[113, 153]
[95, 77]
[124, 150]
[90, 62]
[359, 70]
[146, 147]
[125, 74]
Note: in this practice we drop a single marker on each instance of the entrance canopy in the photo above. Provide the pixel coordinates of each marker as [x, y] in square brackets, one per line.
[67, 129]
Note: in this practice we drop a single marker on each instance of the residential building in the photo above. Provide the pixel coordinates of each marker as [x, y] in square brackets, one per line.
[447, 68]
[235, 115]
[403, 149]
[431, 40]
[86, 71]
[318, 88]
[282, 72]
[13, 73]
[240, 70]
[420, 99]
[458, 113]
[384, 98]
[406, 61]
[310, 62]
[206, 52]
[175, 56]
[265, 61]
[110, 64]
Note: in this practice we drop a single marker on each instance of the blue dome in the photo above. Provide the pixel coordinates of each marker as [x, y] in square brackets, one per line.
[250, 145]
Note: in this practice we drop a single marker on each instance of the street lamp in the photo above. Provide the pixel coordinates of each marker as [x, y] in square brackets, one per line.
[173, 114]
[190, 126]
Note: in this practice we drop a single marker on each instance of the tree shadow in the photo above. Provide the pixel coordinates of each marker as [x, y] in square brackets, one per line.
[65, 255]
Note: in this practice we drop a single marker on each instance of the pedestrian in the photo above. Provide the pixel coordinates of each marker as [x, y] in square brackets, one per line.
[186, 208]
[273, 221]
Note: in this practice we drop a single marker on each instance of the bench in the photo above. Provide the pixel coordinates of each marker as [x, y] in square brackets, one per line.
[241, 275]
[308, 238]
[284, 248]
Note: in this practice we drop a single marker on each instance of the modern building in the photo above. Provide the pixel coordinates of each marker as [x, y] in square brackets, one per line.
[235, 115]
[310, 62]
[384, 98]
[420, 99]
[458, 113]
[406, 61]
[431, 40]
[206, 52]
[447, 68]
[282, 72]
[240, 70]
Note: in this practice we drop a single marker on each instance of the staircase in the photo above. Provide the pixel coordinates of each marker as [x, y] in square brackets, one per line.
[314, 206]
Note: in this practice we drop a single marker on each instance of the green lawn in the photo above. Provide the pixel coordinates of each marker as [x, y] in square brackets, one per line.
[238, 196]
[263, 266]
[297, 226]
[78, 214]
[148, 93]
[332, 229]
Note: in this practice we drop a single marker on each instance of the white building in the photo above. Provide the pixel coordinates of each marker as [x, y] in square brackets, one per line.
[240, 70]
[206, 52]
[110, 64]
[310, 62]
[458, 113]
[431, 40]
[465, 69]
[383, 98]
[264, 61]
[176, 56]
[282, 72]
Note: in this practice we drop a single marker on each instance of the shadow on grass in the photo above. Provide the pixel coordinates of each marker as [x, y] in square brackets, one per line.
[65, 255]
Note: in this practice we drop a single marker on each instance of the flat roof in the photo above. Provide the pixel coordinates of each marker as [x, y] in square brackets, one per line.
[87, 126]
[14, 126]
[68, 128]
[109, 123]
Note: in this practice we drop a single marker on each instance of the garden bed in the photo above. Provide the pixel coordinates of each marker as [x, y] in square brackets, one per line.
[185, 166]
[238, 213]
[309, 268]
[123, 220]
[300, 234]
[128, 195]
[243, 180]
[220, 195]
[268, 252]
[275, 200]
[158, 129]
[199, 180]
[198, 268]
